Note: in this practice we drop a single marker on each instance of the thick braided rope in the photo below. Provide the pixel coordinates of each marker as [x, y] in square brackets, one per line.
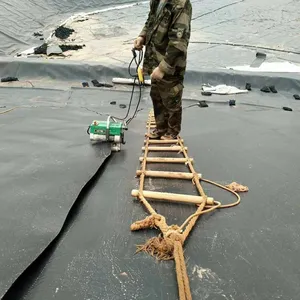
[182, 276]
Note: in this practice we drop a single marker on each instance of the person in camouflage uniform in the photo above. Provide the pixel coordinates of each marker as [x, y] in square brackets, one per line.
[166, 36]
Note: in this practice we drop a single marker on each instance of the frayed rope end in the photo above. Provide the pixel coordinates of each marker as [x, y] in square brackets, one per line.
[158, 247]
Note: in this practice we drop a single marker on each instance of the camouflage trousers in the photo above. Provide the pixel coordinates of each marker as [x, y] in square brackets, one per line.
[166, 95]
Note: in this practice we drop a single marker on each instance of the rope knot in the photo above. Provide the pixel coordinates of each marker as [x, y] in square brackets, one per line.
[157, 217]
[188, 160]
[162, 247]
[195, 178]
[181, 149]
[143, 172]
[175, 236]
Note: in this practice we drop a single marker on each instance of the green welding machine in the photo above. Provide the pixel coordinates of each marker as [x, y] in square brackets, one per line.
[108, 131]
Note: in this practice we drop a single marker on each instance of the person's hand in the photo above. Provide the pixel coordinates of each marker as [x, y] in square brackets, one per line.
[157, 74]
[138, 43]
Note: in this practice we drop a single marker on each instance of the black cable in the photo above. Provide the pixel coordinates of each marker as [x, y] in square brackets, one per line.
[129, 106]
[192, 105]
[140, 87]
[137, 106]
[136, 77]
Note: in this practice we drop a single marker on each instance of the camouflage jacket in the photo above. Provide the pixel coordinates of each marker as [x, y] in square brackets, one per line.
[167, 37]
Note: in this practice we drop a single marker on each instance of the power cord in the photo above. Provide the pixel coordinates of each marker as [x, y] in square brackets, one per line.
[135, 77]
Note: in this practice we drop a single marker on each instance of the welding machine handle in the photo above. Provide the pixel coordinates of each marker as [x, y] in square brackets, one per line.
[107, 128]
[125, 127]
